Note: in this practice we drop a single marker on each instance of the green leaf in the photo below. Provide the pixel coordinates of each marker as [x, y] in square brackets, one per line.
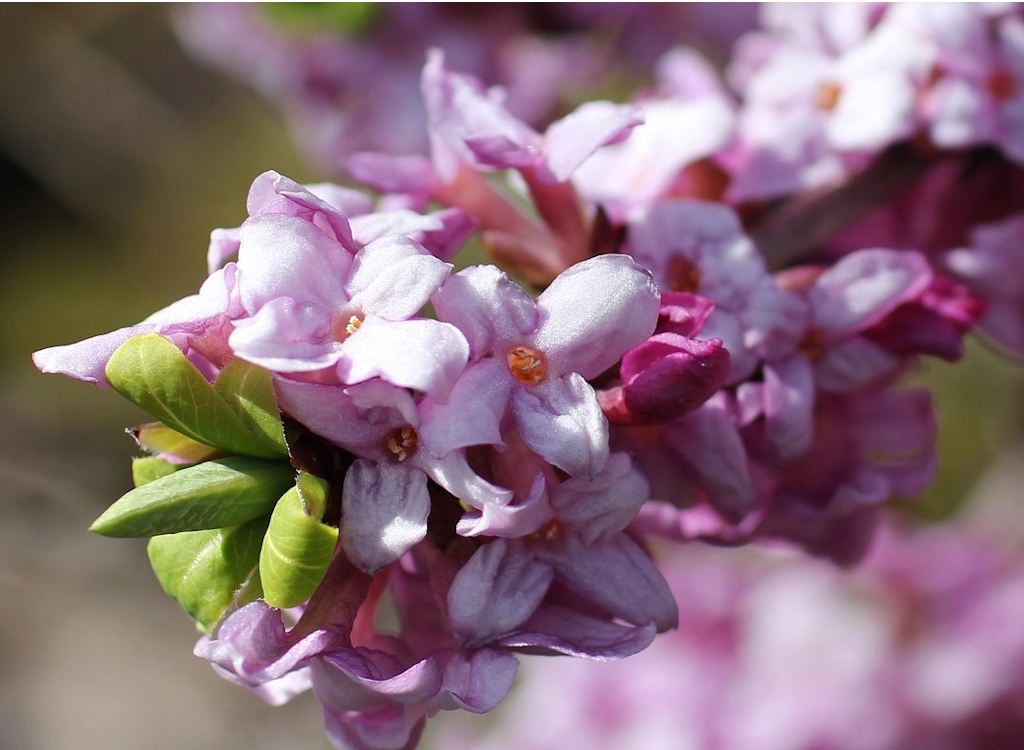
[346, 19]
[249, 390]
[212, 495]
[298, 547]
[150, 468]
[151, 372]
[205, 570]
[156, 437]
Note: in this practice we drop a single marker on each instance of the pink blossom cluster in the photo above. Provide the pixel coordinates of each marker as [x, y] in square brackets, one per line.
[916, 648]
[825, 88]
[684, 359]
[316, 69]
[477, 493]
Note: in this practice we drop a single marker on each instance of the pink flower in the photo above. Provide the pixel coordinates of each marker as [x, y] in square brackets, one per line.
[535, 357]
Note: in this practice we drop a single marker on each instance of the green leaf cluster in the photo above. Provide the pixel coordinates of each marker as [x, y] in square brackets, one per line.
[228, 518]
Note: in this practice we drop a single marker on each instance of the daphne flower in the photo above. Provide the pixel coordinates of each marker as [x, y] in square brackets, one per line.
[698, 247]
[312, 305]
[536, 357]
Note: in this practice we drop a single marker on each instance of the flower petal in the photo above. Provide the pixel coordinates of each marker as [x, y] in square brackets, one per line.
[384, 512]
[373, 226]
[87, 360]
[454, 473]
[789, 405]
[473, 412]
[285, 256]
[563, 422]
[223, 244]
[424, 355]
[351, 680]
[606, 504]
[858, 123]
[710, 446]
[853, 363]
[273, 193]
[387, 727]
[863, 287]
[393, 277]
[459, 110]
[594, 312]
[490, 309]
[570, 141]
[619, 577]
[496, 591]
[456, 227]
[251, 648]
[392, 174]
[565, 631]
[286, 336]
[509, 519]
[330, 412]
[478, 681]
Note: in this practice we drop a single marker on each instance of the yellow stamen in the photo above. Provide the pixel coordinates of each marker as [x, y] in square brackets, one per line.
[402, 442]
[344, 327]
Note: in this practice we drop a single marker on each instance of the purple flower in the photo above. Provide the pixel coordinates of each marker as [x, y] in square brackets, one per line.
[199, 325]
[698, 247]
[689, 119]
[854, 295]
[470, 125]
[867, 447]
[583, 549]
[671, 373]
[376, 690]
[385, 500]
[993, 267]
[697, 461]
[976, 94]
[535, 357]
[811, 87]
[912, 649]
[314, 301]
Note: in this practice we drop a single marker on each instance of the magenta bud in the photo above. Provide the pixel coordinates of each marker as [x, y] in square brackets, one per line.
[934, 323]
[669, 375]
[683, 313]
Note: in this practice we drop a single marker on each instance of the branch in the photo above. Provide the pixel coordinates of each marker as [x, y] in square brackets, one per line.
[800, 225]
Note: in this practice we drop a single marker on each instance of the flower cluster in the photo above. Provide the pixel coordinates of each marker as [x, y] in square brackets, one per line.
[315, 63]
[826, 88]
[913, 649]
[466, 457]
[481, 464]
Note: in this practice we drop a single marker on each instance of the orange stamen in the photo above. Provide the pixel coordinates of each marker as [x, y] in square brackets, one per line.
[683, 275]
[827, 95]
[528, 366]
[813, 345]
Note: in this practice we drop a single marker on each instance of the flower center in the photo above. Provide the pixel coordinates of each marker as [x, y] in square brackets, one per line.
[344, 326]
[813, 345]
[402, 442]
[527, 365]
[827, 95]
[683, 275]
[549, 532]
[1002, 86]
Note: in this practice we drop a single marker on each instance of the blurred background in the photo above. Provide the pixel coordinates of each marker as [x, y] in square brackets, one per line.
[118, 155]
